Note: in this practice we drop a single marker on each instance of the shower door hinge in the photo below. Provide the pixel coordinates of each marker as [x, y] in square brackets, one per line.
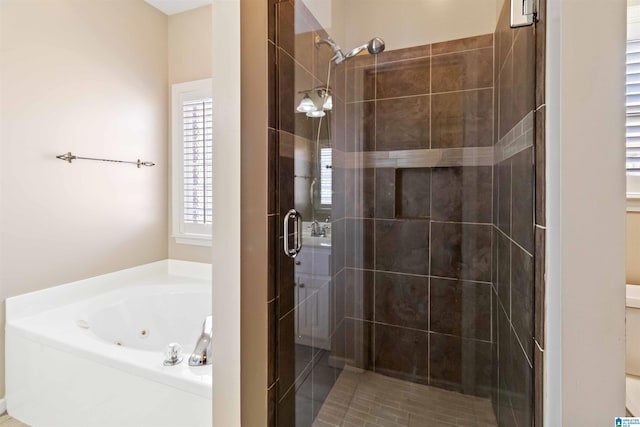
[523, 13]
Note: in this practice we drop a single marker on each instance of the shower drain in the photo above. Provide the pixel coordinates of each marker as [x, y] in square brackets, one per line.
[143, 333]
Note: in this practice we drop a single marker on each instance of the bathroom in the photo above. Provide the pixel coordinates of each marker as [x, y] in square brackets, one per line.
[409, 231]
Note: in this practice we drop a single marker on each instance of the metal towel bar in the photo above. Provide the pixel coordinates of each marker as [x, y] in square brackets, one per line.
[69, 157]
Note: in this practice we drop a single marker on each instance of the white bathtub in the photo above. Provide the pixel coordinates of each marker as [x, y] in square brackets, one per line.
[90, 353]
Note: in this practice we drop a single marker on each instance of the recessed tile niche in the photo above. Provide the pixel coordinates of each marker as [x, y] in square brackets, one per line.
[413, 193]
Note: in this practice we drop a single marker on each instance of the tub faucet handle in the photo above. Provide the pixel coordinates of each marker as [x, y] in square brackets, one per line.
[173, 354]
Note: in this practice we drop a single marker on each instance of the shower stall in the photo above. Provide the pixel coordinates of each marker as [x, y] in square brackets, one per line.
[402, 213]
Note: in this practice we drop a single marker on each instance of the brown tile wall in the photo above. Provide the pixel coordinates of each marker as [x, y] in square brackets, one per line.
[415, 277]
[518, 288]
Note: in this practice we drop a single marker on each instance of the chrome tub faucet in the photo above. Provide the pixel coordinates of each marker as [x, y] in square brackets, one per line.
[202, 353]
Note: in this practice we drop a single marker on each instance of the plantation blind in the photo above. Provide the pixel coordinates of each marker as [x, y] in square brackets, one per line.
[197, 158]
[633, 107]
[325, 176]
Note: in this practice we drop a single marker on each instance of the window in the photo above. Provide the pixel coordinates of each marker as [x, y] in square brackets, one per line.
[325, 176]
[633, 114]
[633, 102]
[192, 174]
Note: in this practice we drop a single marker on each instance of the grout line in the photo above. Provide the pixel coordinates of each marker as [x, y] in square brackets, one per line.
[375, 193]
[463, 222]
[417, 95]
[417, 329]
[513, 414]
[409, 60]
[516, 243]
[429, 344]
[460, 51]
[417, 219]
[430, 105]
[430, 240]
[478, 282]
[510, 51]
[526, 356]
[510, 231]
[493, 291]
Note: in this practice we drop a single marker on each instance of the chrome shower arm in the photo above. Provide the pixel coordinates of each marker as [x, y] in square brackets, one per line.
[374, 46]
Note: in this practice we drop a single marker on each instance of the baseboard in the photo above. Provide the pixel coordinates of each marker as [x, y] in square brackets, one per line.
[3, 406]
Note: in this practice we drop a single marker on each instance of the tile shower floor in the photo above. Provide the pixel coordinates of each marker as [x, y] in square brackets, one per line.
[367, 399]
[7, 421]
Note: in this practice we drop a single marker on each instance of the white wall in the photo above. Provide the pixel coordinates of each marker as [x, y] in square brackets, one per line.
[226, 221]
[499, 4]
[87, 77]
[584, 355]
[190, 51]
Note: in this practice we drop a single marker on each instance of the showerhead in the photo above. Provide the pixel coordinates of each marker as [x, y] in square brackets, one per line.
[374, 46]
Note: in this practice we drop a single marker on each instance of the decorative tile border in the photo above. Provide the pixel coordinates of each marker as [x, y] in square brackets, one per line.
[519, 138]
[516, 140]
[426, 158]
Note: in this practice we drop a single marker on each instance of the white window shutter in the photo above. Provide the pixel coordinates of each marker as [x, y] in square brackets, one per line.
[633, 107]
[197, 161]
[325, 176]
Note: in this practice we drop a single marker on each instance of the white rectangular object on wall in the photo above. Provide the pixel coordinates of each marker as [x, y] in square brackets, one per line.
[192, 165]
[523, 12]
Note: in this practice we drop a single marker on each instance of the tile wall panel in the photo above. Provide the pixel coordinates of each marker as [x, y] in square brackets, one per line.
[519, 201]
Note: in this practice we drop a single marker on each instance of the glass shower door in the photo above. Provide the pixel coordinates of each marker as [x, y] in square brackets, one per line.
[405, 138]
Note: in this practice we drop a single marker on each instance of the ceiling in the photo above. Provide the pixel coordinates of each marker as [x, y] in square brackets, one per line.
[171, 7]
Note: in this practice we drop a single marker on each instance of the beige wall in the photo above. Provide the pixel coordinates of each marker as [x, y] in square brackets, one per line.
[255, 229]
[404, 23]
[499, 4]
[88, 77]
[633, 248]
[189, 59]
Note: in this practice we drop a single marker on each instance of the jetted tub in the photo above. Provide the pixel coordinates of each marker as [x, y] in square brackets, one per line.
[90, 353]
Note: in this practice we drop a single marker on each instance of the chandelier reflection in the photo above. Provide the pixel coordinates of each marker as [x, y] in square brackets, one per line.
[315, 102]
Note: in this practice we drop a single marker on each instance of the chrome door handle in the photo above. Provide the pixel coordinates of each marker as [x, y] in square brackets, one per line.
[298, 234]
[292, 252]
